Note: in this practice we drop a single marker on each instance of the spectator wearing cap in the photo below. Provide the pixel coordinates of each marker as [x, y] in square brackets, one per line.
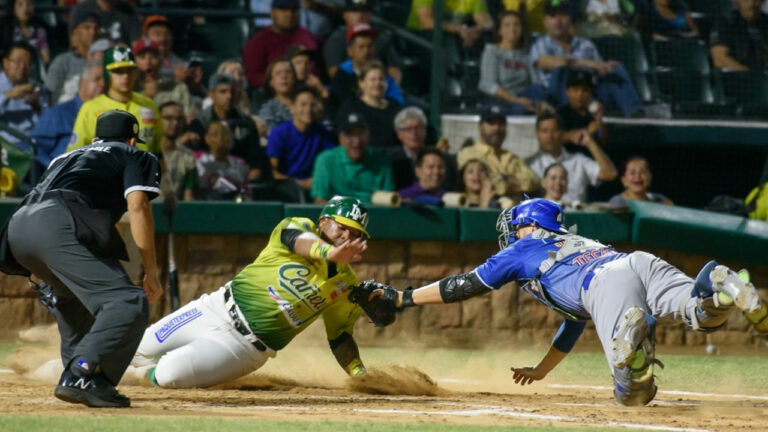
[505, 71]
[223, 176]
[21, 98]
[294, 145]
[245, 135]
[119, 19]
[179, 169]
[68, 66]
[301, 60]
[20, 25]
[359, 12]
[352, 169]
[553, 54]
[739, 41]
[157, 29]
[583, 171]
[273, 42]
[510, 175]
[430, 175]
[378, 110]
[152, 83]
[344, 85]
[281, 80]
[576, 116]
[119, 81]
[456, 16]
[53, 131]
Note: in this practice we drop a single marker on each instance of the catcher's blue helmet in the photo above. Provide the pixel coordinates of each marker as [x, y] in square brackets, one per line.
[537, 211]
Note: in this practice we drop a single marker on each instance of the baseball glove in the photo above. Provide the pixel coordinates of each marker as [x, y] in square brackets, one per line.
[381, 310]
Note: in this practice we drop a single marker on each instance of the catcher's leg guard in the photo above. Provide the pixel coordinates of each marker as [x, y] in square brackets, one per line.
[737, 287]
[633, 359]
[707, 309]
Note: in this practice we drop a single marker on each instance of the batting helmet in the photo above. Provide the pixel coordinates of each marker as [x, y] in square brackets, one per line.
[347, 211]
[540, 212]
[115, 58]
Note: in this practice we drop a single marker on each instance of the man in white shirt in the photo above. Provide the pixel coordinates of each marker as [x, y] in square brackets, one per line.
[582, 171]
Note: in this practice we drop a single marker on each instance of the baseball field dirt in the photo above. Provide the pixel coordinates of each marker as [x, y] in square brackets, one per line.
[415, 389]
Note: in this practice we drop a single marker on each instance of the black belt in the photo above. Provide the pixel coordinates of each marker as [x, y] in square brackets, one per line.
[36, 197]
[240, 326]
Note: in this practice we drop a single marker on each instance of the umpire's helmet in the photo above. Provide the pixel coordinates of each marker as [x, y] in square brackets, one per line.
[347, 211]
[537, 211]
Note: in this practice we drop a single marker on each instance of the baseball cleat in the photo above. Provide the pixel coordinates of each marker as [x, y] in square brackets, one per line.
[93, 391]
[729, 285]
[632, 345]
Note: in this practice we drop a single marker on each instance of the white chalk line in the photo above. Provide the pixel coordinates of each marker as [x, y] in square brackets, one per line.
[6, 371]
[668, 392]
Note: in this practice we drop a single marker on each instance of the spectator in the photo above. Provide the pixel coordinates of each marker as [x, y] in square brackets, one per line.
[352, 169]
[411, 128]
[246, 137]
[300, 59]
[21, 25]
[67, 66]
[119, 19]
[154, 85]
[430, 174]
[657, 19]
[119, 80]
[582, 171]
[477, 184]
[360, 39]
[456, 16]
[510, 175]
[157, 29]
[740, 42]
[604, 18]
[53, 131]
[294, 145]
[575, 116]
[235, 68]
[273, 42]
[21, 98]
[179, 176]
[319, 16]
[359, 12]
[379, 111]
[531, 11]
[505, 71]
[553, 54]
[554, 182]
[95, 54]
[636, 179]
[279, 85]
[222, 175]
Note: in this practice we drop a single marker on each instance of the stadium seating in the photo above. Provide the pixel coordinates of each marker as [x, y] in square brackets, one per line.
[629, 51]
[748, 89]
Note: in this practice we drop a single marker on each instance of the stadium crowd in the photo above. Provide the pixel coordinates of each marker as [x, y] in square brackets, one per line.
[315, 106]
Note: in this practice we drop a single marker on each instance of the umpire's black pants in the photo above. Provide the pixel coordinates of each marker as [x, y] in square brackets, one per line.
[101, 314]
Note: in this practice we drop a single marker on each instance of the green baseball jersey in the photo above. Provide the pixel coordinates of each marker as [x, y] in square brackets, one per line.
[282, 292]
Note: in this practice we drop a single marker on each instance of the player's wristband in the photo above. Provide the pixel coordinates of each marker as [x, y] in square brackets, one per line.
[407, 298]
[355, 368]
[320, 250]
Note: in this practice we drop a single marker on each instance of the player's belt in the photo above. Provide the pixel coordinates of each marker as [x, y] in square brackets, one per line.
[240, 325]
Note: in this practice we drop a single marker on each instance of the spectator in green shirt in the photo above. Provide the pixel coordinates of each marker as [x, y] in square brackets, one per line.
[352, 169]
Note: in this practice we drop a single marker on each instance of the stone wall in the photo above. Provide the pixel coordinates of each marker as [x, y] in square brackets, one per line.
[206, 262]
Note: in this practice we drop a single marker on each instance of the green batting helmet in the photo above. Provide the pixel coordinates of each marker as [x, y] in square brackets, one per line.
[347, 211]
[117, 57]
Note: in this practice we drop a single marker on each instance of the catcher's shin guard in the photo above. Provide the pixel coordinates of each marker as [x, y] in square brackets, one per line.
[737, 288]
[706, 310]
[633, 359]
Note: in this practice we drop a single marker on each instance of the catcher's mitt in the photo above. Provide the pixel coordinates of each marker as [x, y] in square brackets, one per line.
[381, 310]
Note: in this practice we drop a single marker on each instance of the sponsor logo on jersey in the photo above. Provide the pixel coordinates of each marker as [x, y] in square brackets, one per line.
[176, 323]
[147, 115]
[286, 307]
[293, 278]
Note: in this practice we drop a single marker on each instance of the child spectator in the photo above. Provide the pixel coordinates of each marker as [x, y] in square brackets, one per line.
[300, 58]
[222, 176]
[636, 179]
[554, 182]
[575, 116]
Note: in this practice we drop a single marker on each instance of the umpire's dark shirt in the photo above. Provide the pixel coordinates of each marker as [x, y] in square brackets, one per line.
[104, 174]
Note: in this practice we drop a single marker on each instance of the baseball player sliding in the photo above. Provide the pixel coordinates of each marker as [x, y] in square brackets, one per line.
[302, 274]
[624, 294]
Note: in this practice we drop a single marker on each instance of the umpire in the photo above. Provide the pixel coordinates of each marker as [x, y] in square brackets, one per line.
[64, 234]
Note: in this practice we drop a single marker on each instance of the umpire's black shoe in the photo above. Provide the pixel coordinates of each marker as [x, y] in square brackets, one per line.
[94, 391]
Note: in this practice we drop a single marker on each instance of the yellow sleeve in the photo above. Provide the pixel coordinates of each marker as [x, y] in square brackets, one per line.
[341, 316]
[84, 128]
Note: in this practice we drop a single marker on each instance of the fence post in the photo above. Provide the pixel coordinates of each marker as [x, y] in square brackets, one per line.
[438, 67]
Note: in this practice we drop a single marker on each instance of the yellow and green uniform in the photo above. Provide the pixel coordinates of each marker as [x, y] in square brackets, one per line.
[145, 111]
[282, 292]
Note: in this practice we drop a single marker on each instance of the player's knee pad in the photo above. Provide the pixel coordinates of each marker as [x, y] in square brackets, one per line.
[634, 388]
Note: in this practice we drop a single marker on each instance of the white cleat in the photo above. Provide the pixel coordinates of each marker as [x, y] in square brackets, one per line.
[742, 292]
[630, 338]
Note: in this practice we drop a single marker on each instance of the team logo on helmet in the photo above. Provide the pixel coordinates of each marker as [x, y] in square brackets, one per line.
[121, 54]
[347, 211]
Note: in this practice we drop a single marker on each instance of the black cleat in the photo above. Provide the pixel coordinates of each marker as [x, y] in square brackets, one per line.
[93, 391]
